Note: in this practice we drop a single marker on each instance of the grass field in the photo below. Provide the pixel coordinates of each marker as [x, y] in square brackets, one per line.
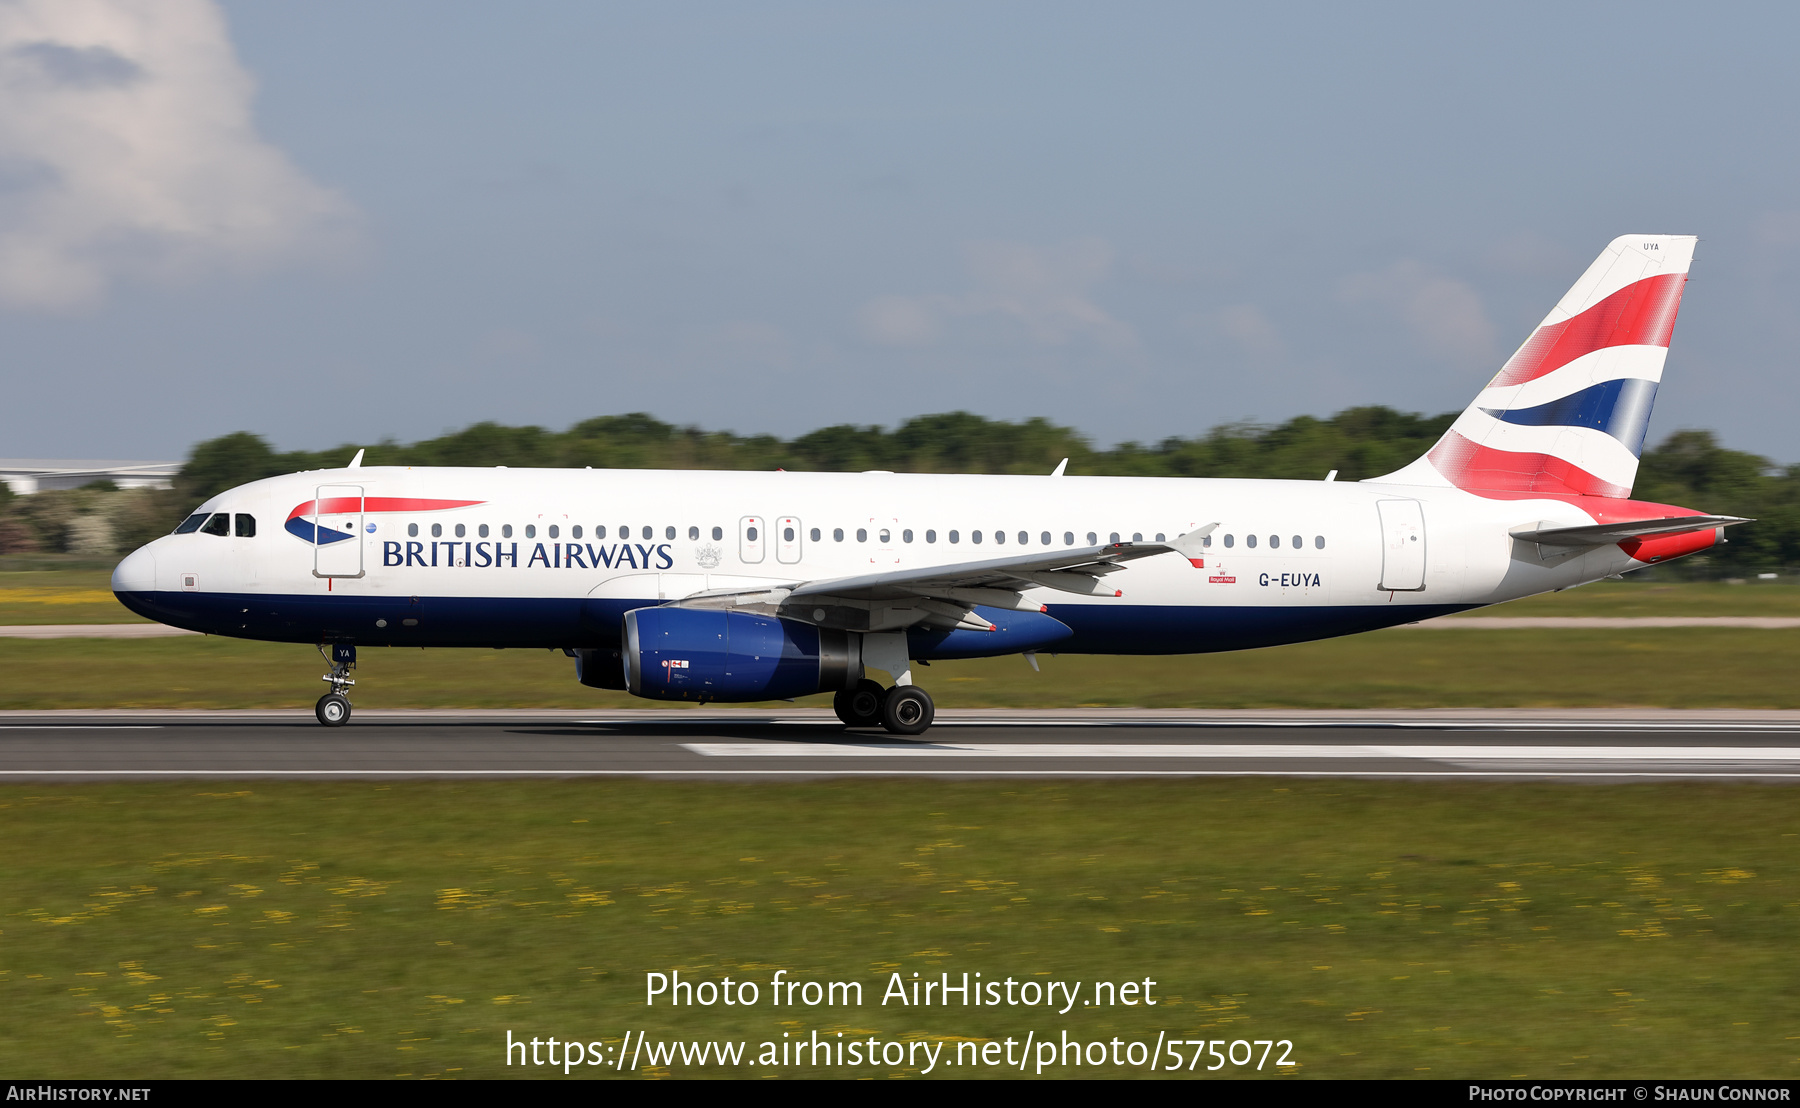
[1386, 929]
[1674, 668]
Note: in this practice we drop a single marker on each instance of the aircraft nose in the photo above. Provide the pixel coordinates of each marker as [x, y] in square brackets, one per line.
[137, 573]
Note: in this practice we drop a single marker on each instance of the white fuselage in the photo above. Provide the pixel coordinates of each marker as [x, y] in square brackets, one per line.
[547, 557]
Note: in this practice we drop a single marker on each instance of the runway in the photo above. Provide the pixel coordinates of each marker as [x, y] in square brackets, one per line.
[1594, 746]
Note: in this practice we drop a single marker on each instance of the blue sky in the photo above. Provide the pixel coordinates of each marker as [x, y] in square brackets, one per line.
[337, 222]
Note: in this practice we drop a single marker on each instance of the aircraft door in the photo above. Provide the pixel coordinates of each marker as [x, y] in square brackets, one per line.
[337, 519]
[787, 540]
[750, 540]
[1402, 545]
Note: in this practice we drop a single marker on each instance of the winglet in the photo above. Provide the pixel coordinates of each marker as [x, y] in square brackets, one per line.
[1060, 466]
[1189, 545]
[356, 462]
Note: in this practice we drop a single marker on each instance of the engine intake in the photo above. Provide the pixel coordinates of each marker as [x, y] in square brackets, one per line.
[702, 654]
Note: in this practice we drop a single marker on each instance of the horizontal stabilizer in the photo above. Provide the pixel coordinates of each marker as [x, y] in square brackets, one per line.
[1600, 534]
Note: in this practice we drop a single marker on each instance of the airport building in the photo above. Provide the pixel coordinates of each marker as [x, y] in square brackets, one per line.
[28, 475]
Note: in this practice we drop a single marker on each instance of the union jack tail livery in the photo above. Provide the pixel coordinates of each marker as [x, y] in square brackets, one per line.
[1566, 414]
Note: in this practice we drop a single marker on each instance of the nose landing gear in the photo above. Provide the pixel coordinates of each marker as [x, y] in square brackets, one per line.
[333, 708]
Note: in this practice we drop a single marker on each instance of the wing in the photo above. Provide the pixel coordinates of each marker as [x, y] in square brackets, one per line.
[945, 596]
[1600, 534]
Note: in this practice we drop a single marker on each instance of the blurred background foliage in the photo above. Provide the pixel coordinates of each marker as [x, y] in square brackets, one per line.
[1688, 468]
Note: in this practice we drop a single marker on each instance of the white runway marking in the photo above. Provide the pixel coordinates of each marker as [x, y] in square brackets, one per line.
[1456, 755]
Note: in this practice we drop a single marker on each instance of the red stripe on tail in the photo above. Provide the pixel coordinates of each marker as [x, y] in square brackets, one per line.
[1640, 314]
[1476, 468]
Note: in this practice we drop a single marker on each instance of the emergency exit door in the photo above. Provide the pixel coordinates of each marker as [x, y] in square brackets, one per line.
[1402, 545]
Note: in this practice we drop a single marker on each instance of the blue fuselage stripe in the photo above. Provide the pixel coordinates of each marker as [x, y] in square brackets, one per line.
[539, 622]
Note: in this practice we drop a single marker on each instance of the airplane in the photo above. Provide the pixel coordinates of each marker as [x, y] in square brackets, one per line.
[736, 587]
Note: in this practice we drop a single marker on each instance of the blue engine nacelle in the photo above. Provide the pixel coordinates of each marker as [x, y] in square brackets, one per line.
[702, 654]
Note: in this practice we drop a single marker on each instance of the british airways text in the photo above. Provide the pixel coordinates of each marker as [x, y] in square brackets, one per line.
[555, 555]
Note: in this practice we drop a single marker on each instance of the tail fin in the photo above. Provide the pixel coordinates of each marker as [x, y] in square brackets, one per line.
[1566, 415]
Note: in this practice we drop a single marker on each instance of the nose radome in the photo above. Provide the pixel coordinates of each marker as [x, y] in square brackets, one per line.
[137, 573]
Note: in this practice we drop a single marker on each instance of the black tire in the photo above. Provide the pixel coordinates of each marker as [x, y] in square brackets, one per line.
[861, 706]
[908, 710]
[333, 710]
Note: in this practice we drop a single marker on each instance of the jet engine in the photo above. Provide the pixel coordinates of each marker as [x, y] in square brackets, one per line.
[705, 654]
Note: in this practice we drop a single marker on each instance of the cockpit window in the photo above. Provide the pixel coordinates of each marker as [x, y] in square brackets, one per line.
[246, 526]
[219, 524]
[191, 524]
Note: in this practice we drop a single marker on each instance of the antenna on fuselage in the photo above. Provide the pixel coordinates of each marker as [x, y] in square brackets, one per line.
[1060, 466]
[356, 462]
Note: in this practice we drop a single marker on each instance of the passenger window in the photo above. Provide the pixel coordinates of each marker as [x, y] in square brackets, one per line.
[1298, 543]
[412, 530]
[437, 530]
[906, 536]
[1024, 538]
[555, 531]
[750, 533]
[574, 532]
[718, 533]
[693, 534]
[599, 532]
[1068, 538]
[1230, 542]
[975, 536]
[191, 524]
[246, 526]
[862, 534]
[506, 530]
[1137, 536]
[837, 534]
[482, 531]
[650, 533]
[1115, 537]
[815, 534]
[1046, 538]
[1159, 537]
[931, 536]
[669, 533]
[886, 537]
[1274, 542]
[219, 524]
[624, 532]
[461, 531]
[955, 538]
[1250, 541]
[1206, 542]
[1093, 539]
[787, 534]
[1000, 536]
[1319, 542]
[531, 530]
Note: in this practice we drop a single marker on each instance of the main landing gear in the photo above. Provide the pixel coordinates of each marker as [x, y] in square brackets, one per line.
[903, 709]
[333, 708]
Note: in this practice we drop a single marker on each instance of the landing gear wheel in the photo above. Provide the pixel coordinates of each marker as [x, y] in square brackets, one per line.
[861, 706]
[333, 710]
[908, 710]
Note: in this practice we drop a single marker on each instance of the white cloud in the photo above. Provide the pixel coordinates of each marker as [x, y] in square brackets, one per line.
[127, 150]
[1246, 325]
[1041, 292]
[1445, 316]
